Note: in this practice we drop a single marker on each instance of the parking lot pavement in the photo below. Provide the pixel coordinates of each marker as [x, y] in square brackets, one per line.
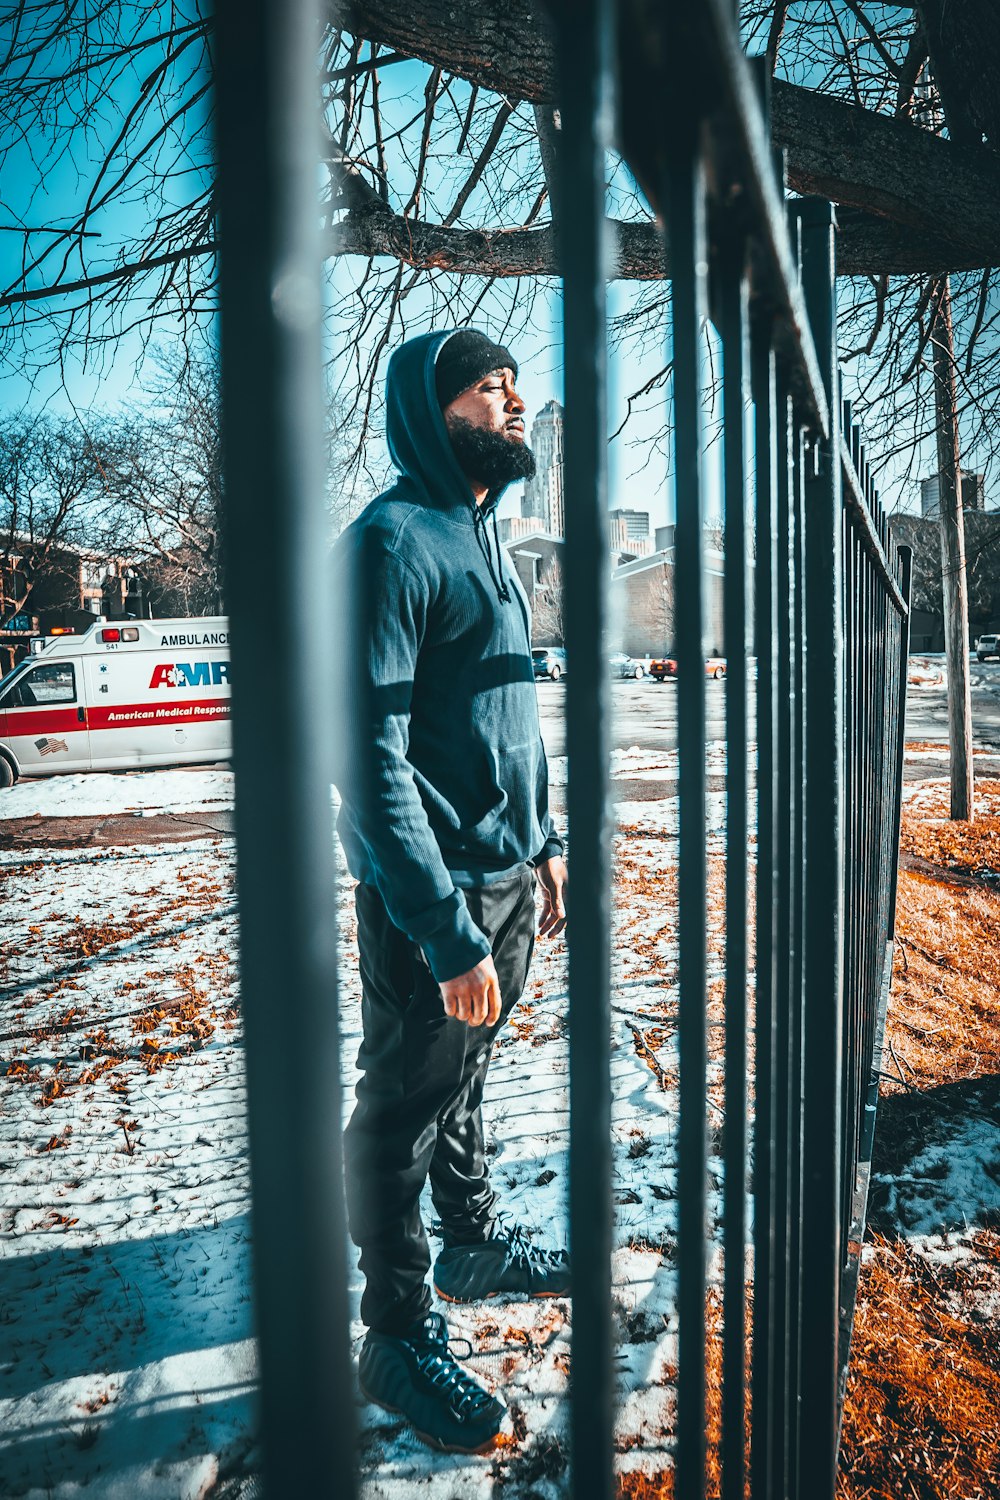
[927, 700]
[642, 714]
[38, 832]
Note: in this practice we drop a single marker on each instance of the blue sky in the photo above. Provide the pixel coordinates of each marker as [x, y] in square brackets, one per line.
[639, 476]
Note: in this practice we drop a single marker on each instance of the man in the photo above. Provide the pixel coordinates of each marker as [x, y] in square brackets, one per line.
[446, 827]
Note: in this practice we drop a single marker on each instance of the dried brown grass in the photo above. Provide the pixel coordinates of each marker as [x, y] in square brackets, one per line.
[921, 1418]
[922, 1412]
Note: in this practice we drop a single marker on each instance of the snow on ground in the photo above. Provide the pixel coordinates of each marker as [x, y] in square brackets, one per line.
[930, 670]
[644, 765]
[943, 1196]
[127, 1366]
[199, 789]
[951, 1184]
[93, 794]
[926, 671]
[939, 751]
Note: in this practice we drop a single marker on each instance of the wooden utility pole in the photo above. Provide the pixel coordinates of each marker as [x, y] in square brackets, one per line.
[954, 588]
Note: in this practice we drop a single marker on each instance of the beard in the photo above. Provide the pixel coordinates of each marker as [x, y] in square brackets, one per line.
[489, 457]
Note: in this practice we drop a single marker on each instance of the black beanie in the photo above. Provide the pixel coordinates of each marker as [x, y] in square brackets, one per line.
[463, 359]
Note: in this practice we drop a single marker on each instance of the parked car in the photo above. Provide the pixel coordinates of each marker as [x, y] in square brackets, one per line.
[626, 666]
[548, 661]
[662, 667]
[987, 645]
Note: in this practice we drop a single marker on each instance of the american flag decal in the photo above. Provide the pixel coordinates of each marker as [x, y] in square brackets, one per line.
[47, 747]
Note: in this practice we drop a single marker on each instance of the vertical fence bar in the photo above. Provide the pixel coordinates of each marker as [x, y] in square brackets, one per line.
[787, 883]
[905, 571]
[799, 941]
[852, 803]
[851, 842]
[822, 1038]
[689, 254]
[866, 751]
[585, 43]
[735, 330]
[763, 1353]
[272, 424]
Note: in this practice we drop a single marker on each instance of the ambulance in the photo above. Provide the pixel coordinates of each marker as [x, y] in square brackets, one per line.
[123, 694]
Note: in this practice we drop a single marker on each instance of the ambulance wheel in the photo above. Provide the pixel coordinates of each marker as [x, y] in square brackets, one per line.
[6, 772]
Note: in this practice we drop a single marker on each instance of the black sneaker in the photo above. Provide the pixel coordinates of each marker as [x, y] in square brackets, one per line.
[417, 1377]
[508, 1262]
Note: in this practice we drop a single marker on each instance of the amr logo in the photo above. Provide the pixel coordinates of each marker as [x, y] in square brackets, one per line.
[184, 674]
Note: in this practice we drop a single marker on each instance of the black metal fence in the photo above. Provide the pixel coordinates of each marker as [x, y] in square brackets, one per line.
[815, 628]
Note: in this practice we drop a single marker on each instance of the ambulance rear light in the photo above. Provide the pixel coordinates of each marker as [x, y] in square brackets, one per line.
[111, 636]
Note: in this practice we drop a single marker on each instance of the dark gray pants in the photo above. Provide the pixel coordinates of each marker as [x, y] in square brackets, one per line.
[419, 1100]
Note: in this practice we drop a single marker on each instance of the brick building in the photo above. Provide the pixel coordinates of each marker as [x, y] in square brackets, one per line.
[51, 586]
[982, 565]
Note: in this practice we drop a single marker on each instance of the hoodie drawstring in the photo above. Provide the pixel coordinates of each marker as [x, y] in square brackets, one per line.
[496, 573]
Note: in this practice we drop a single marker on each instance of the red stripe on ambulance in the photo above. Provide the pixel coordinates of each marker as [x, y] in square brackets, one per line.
[41, 721]
[190, 711]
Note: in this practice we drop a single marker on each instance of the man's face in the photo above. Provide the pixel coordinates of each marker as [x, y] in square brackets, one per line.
[486, 427]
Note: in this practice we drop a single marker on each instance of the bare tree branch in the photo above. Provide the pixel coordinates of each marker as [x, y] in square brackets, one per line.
[105, 278]
[775, 33]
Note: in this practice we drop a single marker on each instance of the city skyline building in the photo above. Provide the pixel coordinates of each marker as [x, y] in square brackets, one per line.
[635, 523]
[973, 494]
[629, 531]
[543, 495]
[514, 528]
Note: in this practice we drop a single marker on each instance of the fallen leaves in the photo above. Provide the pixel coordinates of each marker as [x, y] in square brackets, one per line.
[923, 1389]
[924, 1382]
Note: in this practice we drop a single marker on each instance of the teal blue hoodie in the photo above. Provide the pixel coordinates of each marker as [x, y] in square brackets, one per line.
[442, 772]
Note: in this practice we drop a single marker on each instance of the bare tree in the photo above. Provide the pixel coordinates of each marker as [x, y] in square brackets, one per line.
[438, 200]
[169, 483]
[55, 503]
[167, 478]
[982, 565]
[547, 606]
[660, 605]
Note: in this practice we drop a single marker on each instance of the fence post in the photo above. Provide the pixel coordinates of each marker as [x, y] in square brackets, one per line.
[586, 50]
[268, 113]
[905, 568]
[735, 331]
[824, 874]
[686, 218]
[763, 1357]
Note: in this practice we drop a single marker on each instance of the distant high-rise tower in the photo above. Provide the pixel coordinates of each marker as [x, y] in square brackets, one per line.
[973, 494]
[636, 523]
[543, 495]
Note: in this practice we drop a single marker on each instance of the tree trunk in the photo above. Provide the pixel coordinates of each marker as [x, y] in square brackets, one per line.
[964, 42]
[918, 201]
[953, 580]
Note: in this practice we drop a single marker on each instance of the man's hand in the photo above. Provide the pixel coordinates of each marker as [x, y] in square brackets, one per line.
[553, 879]
[473, 997]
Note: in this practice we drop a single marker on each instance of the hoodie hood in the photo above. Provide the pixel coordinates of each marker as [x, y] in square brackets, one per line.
[418, 439]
